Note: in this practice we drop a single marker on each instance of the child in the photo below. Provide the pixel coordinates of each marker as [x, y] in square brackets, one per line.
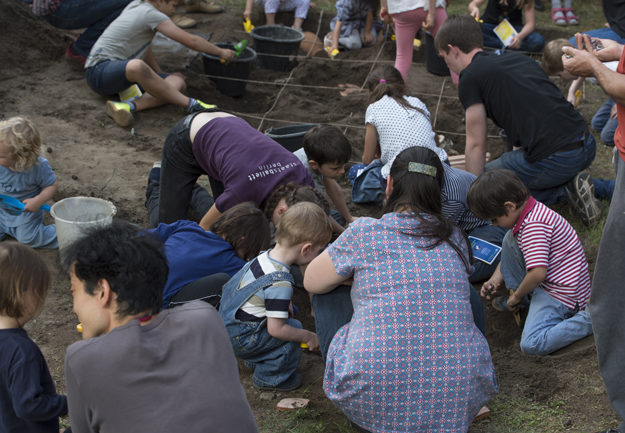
[563, 15]
[354, 25]
[122, 56]
[541, 257]
[29, 400]
[299, 7]
[255, 303]
[28, 177]
[326, 151]
[286, 195]
[409, 17]
[496, 10]
[604, 121]
[394, 120]
[201, 262]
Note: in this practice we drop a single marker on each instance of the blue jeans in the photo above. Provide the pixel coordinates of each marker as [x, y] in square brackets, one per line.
[604, 188]
[549, 325]
[602, 123]
[95, 15]
[534, 42]
[274, 360]
[602, 33]
[34, 234]
[335, 309]
[483, 271]
[608, 298]
[547, 178]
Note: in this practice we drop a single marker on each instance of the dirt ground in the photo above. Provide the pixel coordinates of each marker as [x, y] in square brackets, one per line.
[92, 156]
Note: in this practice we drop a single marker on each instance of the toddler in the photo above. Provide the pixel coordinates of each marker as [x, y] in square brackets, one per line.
[513, 10]
[28, 177]
[541, 257]
[28, 398]
[256, 302]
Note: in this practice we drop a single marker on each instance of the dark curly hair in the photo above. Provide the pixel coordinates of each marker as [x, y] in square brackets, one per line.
[131, 261]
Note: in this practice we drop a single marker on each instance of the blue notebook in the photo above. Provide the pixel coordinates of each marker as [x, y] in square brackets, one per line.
[484, 251]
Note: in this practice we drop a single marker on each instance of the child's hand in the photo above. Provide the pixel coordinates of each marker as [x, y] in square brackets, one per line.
[515, 42]
[227, 55]
[312, 342]
[430, 21]
[247, 14]
[490, 287]
[474, 11]
[32, 204]
[367, 38]
[513, 303]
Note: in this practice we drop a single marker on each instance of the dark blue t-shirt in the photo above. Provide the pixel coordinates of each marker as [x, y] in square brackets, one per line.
[193, 253]
[28, 398]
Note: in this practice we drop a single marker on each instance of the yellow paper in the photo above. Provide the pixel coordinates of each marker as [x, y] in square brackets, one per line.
[505, 32]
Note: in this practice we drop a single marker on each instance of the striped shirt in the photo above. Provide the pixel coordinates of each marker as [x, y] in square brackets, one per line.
[272, 301]
[45, 7]
[456, 184]
[547, 239]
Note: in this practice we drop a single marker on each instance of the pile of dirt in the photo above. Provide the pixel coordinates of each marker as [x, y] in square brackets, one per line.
[28, 43]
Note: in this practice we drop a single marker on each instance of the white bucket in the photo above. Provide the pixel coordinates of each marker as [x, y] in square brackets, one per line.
[74, 215]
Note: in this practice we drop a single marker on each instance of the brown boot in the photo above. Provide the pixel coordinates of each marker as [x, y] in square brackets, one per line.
[204, 7]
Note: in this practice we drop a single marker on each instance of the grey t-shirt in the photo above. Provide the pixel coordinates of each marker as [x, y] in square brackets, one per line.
[129, 36]
[177, 373]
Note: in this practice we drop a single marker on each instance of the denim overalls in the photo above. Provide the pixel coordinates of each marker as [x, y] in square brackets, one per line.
[274, 360]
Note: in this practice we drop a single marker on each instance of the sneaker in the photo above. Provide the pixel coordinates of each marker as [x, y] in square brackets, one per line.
[79, 59]
[201, 106]
[119, 112]
[184, 22]
[581, 195]
[500, 303]
[293, 382]
[154, 180]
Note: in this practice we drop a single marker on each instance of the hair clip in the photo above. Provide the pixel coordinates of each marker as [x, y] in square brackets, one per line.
[417, 167]
[382, 80]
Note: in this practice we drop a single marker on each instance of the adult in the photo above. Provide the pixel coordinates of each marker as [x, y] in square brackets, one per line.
[92, 15]
[139, 369]
[403, 354]
[241, 163]
[551, 139]
[607, 298]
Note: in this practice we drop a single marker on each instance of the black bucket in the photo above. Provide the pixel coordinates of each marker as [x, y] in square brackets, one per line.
[276, 41]
[239, 68]
[290, 137]
[433, 62]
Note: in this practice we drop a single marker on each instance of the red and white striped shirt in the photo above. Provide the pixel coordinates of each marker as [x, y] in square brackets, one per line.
[547, 239]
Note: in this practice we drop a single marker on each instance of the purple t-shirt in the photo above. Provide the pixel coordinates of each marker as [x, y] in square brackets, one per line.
[248, 163]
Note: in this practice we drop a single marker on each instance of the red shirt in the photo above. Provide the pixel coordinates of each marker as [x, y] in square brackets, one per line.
[619, 135]
[547, 239]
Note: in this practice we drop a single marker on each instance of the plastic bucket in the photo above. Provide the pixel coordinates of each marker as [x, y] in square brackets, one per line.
[270, 40]
[239, 68]
[433, 62]
[74, 215]
[290, 137]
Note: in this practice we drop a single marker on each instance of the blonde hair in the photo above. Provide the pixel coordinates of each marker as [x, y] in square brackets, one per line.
[22, 270]
[304, 222]
[23, 140]
[552, 56]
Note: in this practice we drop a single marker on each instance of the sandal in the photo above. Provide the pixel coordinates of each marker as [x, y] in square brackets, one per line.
[570, 16]
[558, 17]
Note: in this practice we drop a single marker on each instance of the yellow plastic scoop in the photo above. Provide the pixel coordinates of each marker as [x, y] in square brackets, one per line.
[247, 25]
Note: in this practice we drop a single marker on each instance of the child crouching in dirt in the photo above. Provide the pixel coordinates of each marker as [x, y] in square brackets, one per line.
[326, 151]
[29, 400]
[298, 7]
[256, 302]
[541, 258]
[122, 56]
[354, 25]
[27, 177]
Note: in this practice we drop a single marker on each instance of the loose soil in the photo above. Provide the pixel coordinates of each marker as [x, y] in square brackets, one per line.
[92, 156]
